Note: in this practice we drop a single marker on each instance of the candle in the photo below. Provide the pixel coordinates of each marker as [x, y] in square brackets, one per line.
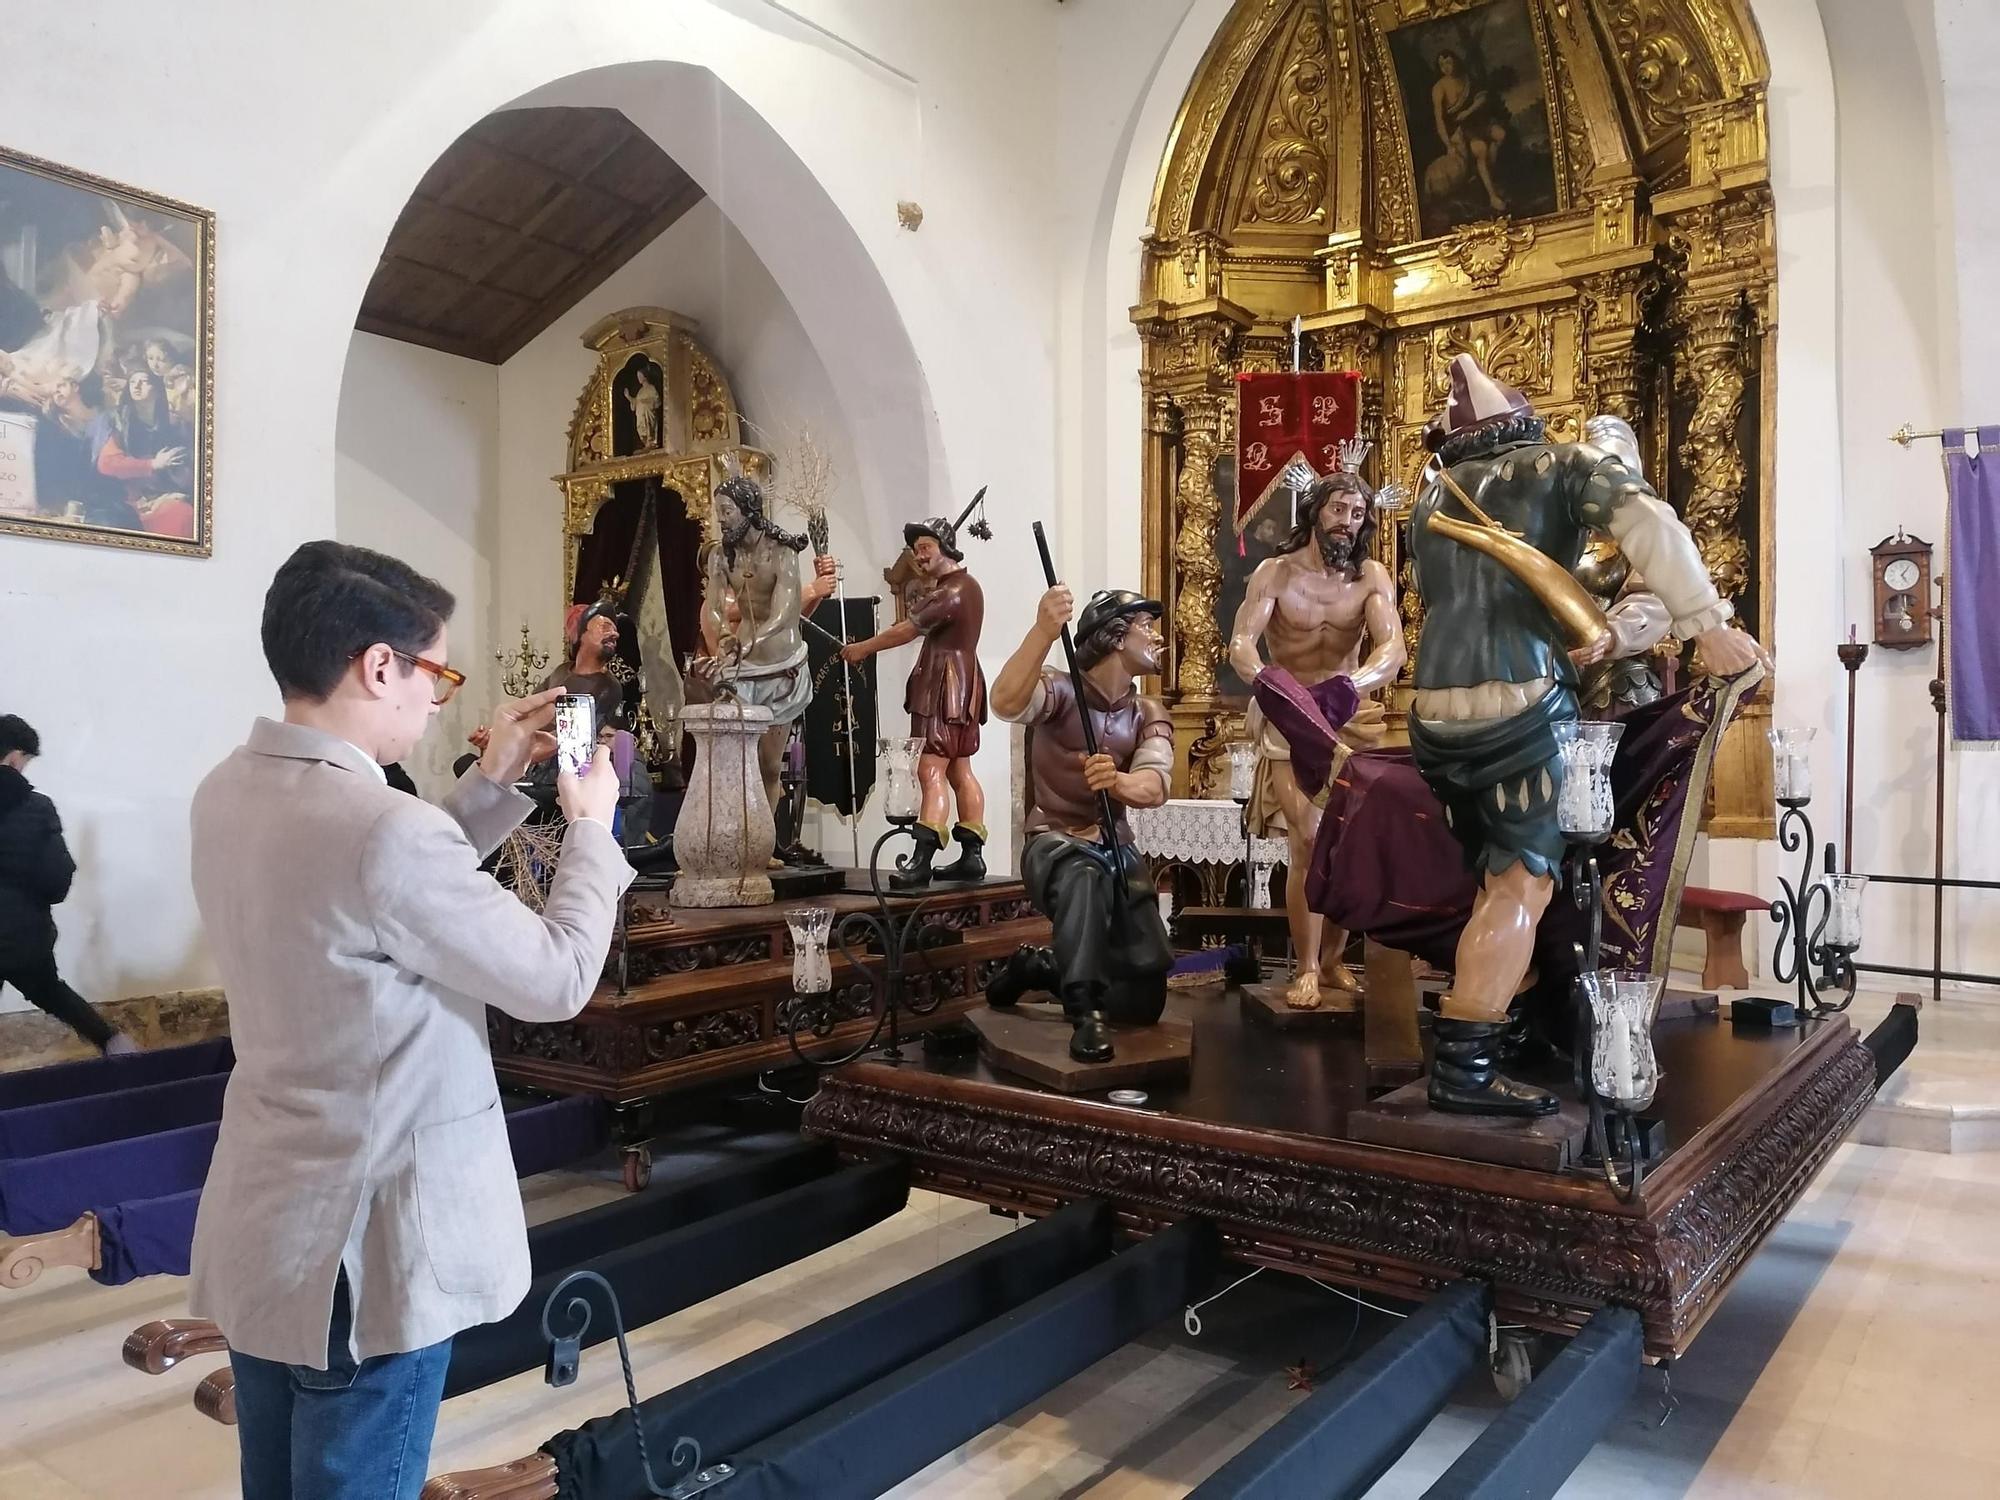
[1620, 1064]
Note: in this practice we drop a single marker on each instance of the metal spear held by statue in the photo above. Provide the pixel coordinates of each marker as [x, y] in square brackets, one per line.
[1107, 815]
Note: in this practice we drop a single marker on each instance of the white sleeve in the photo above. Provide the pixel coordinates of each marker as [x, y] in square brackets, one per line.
[1639, 622]
[1663, 551]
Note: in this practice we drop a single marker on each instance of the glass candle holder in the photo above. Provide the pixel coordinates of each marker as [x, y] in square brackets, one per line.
[1791, 765]
[902, 797]
[1260, 884]
[1585, 807]
[1623, 1005]
[1843, 917]
[1242, 770]
[812, 966]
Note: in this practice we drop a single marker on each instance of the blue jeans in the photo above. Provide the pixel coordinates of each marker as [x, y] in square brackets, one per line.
[348, 1432]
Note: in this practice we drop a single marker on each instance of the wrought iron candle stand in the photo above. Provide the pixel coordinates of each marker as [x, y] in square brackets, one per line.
[1586, 812]
[1818, 920]
[900, 928]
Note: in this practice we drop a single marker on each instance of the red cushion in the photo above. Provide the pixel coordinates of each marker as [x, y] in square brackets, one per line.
[1701, 898]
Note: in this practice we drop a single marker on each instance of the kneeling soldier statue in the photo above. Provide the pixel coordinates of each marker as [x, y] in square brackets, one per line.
[1111, 955]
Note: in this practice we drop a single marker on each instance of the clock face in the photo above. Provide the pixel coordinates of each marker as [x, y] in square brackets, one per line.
[1901, 574]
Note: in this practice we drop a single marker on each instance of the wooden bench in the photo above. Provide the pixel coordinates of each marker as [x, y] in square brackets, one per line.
[1720, 916]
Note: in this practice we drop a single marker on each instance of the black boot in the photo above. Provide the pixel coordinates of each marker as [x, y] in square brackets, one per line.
[1091, 1041]
[1028, 968]
[1464, 1080]
[913, 871]
[971, 862]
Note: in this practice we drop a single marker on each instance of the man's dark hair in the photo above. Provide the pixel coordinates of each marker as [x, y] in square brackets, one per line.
[1106, 639]
[17, 734]
[330, 602]
[1314, 501]
[748, 496]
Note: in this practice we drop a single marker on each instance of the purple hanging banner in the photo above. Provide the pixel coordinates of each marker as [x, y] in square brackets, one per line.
[1972, 583]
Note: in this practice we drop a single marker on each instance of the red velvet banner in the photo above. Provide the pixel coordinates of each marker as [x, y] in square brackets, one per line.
[1302, 416]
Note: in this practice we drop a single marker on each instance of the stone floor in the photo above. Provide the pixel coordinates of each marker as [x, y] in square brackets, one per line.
[1850, 1360]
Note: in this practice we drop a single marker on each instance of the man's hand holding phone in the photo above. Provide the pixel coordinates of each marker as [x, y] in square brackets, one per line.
[592, 795]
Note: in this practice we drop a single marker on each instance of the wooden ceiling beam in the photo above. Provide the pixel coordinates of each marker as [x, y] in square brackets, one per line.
[597, 271]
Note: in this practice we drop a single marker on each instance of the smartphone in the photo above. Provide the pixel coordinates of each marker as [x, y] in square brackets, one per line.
[576, 732]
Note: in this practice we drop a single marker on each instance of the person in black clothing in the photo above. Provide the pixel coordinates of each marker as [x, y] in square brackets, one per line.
[35, 872]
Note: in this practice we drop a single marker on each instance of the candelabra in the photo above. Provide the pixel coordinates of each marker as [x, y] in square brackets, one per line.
[1818, 920]
[900, 928]
[521, 669]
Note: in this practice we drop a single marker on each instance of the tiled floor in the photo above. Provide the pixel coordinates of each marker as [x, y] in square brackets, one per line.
[1854, 1358]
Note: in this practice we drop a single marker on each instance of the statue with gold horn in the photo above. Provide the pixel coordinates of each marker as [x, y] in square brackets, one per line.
[1498, 530]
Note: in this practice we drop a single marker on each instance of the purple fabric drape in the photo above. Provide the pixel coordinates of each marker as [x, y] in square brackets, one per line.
[1386, 865]
[1972, 576]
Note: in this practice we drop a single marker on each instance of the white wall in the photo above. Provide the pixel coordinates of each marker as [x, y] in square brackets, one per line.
[415, 469]
[1897, 325]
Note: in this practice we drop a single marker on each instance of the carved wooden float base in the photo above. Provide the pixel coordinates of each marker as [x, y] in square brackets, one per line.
[703, 995]
[1256, 1141]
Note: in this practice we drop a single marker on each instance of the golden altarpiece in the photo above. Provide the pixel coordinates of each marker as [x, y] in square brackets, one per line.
[656, 428]
[693, 440]
[1575, 191]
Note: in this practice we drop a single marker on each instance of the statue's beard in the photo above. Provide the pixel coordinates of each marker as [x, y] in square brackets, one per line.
[1336, 550]
[734, 536]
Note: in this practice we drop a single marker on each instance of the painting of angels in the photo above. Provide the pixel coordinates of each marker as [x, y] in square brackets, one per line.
[106, 370]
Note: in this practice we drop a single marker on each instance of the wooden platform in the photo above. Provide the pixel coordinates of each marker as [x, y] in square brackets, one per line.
[1031, 1041]
[701, 993]
[1257, 1139]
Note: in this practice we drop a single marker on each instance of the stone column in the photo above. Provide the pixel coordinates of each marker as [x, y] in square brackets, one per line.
[724, 837]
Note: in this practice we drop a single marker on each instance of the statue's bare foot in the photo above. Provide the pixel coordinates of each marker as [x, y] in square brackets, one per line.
[1338, 989]
[1303, 992]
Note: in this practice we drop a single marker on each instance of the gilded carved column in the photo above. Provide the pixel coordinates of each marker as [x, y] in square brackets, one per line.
[1714, 369]
[1723, 243]
[1613, 304]
[1197, 570]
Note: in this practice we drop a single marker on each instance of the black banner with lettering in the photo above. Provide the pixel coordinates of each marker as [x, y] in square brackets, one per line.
[827, 719]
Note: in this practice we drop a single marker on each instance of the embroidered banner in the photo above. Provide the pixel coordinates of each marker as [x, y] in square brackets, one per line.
[1972, 581]
[1289, 427]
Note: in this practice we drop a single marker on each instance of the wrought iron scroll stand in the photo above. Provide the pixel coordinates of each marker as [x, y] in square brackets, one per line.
[1611, 1129]
[1799, 957]
[565, 1360]
[901, 931]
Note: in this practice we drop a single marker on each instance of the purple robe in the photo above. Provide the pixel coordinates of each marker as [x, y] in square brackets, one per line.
[1386, 865]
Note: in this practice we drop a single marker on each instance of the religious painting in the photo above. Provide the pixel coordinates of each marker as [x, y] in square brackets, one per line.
[1477, 109]
[106, 364]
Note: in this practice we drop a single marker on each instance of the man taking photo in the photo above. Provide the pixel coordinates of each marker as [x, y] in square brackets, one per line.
[362, 1207]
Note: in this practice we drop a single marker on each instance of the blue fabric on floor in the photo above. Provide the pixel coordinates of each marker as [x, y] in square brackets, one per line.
[103, 1075]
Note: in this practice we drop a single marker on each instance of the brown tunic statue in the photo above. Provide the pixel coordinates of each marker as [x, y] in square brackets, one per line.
[946, 698]
[1110, 955]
